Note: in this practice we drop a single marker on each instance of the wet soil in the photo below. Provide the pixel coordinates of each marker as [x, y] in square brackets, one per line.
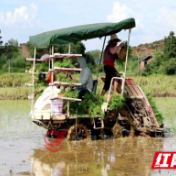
[23, 150]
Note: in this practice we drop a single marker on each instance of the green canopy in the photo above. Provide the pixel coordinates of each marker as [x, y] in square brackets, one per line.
[78, 33]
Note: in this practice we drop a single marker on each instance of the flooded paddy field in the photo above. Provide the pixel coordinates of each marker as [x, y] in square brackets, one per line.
[23, 151]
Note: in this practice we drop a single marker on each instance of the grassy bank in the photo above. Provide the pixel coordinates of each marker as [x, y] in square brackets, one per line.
[14, 93]
[12, 85]
[157, 86]
[14, 79]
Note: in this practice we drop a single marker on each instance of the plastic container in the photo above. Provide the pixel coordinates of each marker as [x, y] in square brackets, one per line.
[57, 107]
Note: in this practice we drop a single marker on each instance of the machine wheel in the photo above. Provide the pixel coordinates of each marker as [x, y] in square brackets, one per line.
[78, 132]
[132, 131]
[117, 130]
[52, 133]
[106, 133]
[114, 121]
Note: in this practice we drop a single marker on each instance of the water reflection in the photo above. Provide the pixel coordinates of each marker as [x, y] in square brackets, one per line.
[126, 156]
[20, 138]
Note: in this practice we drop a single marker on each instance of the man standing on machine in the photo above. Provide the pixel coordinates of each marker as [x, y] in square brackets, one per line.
[110, 55]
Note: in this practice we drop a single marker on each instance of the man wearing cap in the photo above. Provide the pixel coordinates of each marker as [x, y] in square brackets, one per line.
[110, 55]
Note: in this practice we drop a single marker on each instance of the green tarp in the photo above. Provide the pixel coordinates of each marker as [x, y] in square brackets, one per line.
[78, 33]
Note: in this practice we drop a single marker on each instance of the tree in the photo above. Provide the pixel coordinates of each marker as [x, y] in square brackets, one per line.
[1, 39]
[171, 67]
[170, 46]
[1, 48]
[11, 50]
[78, 48]
[39, 53]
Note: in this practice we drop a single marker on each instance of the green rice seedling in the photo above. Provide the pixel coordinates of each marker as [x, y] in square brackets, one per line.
[158, 114]
[65, 63]
[117, 101]
[90, 105]
[71, 94]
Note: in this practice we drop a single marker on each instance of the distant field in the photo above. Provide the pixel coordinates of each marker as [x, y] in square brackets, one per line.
[12, 85]
[158, 86]
[12, 93]
[167, 107]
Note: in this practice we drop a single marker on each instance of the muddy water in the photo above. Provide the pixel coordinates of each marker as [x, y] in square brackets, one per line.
[23, 152]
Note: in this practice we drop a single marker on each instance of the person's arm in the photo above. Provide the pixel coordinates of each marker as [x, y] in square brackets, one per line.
[116, 49]
[85, 77]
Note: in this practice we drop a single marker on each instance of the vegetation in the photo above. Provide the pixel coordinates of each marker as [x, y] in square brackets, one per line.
[67, 63]
[117, 101]
[11, 59]
[71, 94]
[158, 115]
[165, 105]
[91, 105]
[164, 63]
[154, 81]
[156, 85]
[14, 80]
[39, 88]
[1, 39]
[14, 93]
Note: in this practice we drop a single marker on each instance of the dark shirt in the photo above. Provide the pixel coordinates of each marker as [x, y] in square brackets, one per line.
[109, 55]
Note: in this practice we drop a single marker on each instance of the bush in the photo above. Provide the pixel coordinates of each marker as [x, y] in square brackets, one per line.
[171, 67]
[3, 60]
[151, 68]
[19, 62]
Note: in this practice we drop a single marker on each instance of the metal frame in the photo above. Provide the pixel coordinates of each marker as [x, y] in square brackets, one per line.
[33, 75]
[52, 68]
[123, 82]
[101, 57]
[52, 78]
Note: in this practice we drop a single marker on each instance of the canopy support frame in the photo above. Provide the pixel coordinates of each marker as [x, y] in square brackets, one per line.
[52, 76]
[126, 60]
[101, 57]
[33, 77]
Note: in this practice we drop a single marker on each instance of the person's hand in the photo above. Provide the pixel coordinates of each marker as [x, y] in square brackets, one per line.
[122, 44]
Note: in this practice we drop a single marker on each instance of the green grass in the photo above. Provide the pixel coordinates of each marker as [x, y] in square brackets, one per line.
[14, 79]
[14, 93]
[156, 85]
